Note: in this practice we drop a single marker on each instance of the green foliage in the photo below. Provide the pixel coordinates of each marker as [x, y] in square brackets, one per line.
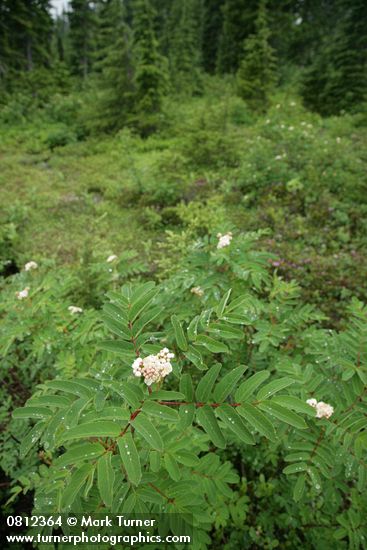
[116, 81]
[184, 231]
[237, 24]
[337, 79]
[82, 36]
[150, 75]
[25, 37]
[248, 355]
[256, 75]
[184, 45]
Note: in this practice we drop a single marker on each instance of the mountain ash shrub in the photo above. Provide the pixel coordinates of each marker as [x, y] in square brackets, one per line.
[220, 359]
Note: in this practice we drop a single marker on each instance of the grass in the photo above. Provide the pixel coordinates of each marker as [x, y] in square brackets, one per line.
[301, 176]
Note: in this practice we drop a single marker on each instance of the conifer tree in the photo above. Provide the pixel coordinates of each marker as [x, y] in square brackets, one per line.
[212, 27]
[150, 66]
[337, 79]
[256, 76]
[25, 37]
[115, 81]
[25, 46]
[238, 23]
[60, 37]
[185, 44]
[82, 32]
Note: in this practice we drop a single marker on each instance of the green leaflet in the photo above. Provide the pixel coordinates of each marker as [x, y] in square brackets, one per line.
[186, 458]
[120, 347]
[145, 428]
[85, 451]
[186, 414]
[228, 383]
[53, 430]
[138, 291]
[117, 327]
[237, 319]
[31, 438]
[283, 414]
[99, 400]
[155, 460]
[89, 483]
[145, 319]
[167, 395]
[294, 403]
[234, 422]
[298, 456]
[274, 387]
[116, 312]
[361, 477]
[141, 299]
[192, 329]
[212, 345]
[315, 477]
[132, 393]
[194, 355]
[248, 387]
[225, 331]
[122, 489]
[75, 484]
[295, 468]
[186, 387]
[92, 385]
[206, 418]
[104, 428]
[222, 304]
[129, 505]
[73, 413]
[75, 387]
[59, 401]
[257, 420]
[205, 386]
[179, 333]
[148, 494]
[172, 467]
[130, 458]
[108, 413]
[238, 302]
[299, 487]
[160, 411]
[31, 412]
[106, 478]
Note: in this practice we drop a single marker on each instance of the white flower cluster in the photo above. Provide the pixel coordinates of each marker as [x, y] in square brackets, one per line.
[22, 293]
[323, 410]
[197, 290]
[224, 240]
[75, 309]
[30, 265]
[111, 258]
[153, 367]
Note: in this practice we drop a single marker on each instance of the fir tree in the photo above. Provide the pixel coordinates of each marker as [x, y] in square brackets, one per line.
[25, 38]
[115, 82]
[82, 31]
[150, 67]
[256, 75]
[337, 79]
[25, 46]
[212, 27]
[238, 23]
[185, 44]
